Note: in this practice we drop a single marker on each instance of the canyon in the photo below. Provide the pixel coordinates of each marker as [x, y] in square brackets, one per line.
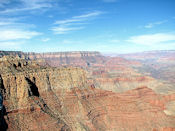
[86, 91]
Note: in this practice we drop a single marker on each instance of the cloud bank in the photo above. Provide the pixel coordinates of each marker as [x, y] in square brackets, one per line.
[152, 39]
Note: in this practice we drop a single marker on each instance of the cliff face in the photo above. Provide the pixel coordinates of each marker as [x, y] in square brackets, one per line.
[81, 59]
[54, 59]
[29, 94]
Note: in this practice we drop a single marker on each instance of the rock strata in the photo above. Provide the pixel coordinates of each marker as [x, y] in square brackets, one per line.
[76, 58]
[47, 98]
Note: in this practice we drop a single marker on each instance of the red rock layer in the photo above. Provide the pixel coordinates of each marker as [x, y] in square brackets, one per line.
[94, 109]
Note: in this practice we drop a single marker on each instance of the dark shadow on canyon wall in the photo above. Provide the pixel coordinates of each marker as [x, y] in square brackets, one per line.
[33, 88]
[3, 123]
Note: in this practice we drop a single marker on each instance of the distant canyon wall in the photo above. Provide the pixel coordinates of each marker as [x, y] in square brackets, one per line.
[75, 58]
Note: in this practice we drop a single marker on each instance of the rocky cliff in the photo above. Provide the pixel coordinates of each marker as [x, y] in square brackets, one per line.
[54, 59]
[29, 92]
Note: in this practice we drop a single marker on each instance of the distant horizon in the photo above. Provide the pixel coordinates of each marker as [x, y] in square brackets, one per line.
[104, 53]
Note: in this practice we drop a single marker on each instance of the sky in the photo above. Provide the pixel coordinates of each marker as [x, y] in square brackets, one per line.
[108, 26]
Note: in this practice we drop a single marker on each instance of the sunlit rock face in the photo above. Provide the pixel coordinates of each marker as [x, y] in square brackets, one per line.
[113, 95]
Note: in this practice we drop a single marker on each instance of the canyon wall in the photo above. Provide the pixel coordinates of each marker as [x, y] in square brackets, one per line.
[54, 59]
[29, 93]
[103, 96]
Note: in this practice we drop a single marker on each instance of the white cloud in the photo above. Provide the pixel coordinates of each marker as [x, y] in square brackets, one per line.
[152, 39]
[79, 18]
[151, 25]
[67, 21]
[17, 34]
[13, 33]
[92, 14]
[64, 30]
[74, 23]
[14, 23]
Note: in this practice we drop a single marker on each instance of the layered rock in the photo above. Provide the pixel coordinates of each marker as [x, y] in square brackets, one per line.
[66, 98]
[23, 85]
[158, 64]
[76, 58]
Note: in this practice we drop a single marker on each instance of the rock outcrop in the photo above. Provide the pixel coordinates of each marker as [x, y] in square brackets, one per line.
[23, 84]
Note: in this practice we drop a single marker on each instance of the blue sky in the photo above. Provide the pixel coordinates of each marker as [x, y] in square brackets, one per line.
[108, 26]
